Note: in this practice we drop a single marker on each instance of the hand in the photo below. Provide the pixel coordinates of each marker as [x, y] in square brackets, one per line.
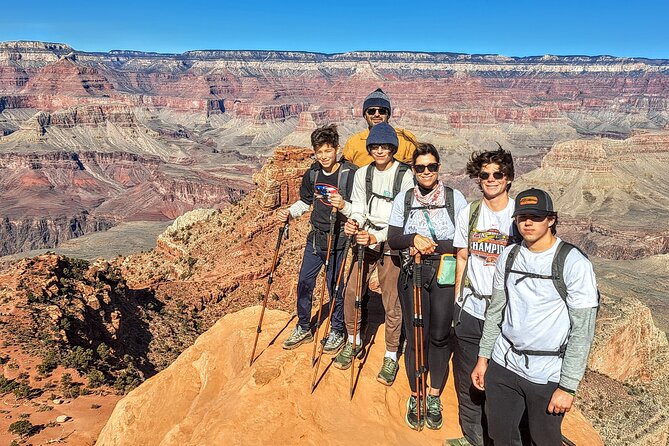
[423, 244]
[282, 215]
[351, 227]
[479, 372]
[560, 403]
[412, 251]
[364, 238]
[337, 201]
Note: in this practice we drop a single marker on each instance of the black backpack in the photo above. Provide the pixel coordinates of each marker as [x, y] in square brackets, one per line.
[397, 183]
[345, 169]
[557, 268]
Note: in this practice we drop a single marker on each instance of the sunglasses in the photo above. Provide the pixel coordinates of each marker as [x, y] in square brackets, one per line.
[495, 175]
[420, 168]
[374, 110]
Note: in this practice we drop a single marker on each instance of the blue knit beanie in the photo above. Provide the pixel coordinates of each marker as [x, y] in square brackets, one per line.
[377, 98]
[382, 133]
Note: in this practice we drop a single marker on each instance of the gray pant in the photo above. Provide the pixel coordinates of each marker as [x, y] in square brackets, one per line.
[471, 401]
[508, 396]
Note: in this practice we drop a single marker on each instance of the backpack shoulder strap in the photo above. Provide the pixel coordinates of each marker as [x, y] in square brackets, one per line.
[368, 181]
[408, 201]
[509, 265]
[449, 202]
[557, 268]
[399, 176]
[474, 211]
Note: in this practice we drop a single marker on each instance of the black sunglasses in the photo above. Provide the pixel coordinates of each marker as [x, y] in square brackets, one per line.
[373, 110]
[420, 168]
[495, 175]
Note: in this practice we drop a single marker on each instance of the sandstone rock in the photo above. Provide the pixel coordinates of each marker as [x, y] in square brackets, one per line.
[62, 418]
[216, 398]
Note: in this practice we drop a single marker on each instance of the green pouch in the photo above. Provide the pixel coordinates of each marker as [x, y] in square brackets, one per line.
[446, 271]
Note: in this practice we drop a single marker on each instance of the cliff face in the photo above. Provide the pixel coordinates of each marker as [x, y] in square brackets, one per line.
[627, 355]
[206, 116]
[213, 263]
[607, 193]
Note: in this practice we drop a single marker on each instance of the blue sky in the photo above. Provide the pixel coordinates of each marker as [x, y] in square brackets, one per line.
[518, 28]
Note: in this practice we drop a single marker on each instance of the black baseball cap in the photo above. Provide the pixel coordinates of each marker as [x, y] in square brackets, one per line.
[534, 202]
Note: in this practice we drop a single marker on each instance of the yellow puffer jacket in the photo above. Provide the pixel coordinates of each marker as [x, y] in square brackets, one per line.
[355, 149]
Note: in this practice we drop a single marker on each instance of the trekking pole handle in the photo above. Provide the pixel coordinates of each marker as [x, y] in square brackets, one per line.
[417, 272]
[283, 232]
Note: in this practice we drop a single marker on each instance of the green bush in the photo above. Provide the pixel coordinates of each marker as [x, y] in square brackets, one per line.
[49, 363]
[22, 428]
[78, 358]
[95, 378]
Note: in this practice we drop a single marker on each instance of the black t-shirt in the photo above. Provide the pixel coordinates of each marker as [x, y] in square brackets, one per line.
[317, 196]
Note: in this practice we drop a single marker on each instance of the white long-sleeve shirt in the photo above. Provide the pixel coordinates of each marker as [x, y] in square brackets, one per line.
[377, 211]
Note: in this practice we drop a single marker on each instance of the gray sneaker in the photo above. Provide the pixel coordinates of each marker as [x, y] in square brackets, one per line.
[298, 337]
[388, 372]
[334, 343]
[345, 357]
[433, 417]
[411, 416]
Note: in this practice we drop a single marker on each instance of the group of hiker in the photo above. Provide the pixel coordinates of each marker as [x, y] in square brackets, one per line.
[488, 284]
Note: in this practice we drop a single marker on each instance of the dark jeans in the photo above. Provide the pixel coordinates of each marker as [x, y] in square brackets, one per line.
[437, 308]
[471, 401]
[508, 397]
[311, 267]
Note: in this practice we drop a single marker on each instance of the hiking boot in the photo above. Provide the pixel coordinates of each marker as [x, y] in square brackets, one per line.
[345, 357]
[388, 372]
[411, 417]
[433, 417]
[298, 337]
[462, 441]
[334, 342]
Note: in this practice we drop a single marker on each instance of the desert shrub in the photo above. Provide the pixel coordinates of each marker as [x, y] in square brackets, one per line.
[23, 390]
[78, 358]
[49, 363]
[69, 388]
[103, 352]
[21, 427]
[95, 378]
[127, 379]
[7, 385]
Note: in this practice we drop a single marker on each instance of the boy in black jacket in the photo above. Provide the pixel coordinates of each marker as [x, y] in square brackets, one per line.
[327, 184]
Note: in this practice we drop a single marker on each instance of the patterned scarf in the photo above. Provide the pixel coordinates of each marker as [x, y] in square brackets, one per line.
[434, 198]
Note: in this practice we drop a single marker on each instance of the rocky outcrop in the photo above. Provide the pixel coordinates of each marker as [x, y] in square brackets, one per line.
[269, 402]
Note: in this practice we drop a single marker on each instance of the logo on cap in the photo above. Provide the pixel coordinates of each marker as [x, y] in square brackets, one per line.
[525, 201]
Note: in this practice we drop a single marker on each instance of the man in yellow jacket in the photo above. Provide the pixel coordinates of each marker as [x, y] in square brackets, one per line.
[376, 109]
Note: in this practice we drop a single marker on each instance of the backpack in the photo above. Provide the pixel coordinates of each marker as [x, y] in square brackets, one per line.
[448, 204]
[557, 276]
[397, 183]
[345, 169]
[557, 268]
[474, 211]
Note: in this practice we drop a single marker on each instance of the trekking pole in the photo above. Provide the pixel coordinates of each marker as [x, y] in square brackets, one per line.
[418, 338]
[342, 268]
[333, 219]
[358, 299]
[283, 230]
[567, 442]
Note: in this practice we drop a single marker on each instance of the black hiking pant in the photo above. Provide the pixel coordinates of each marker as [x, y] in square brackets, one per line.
[471, 401]
[437, 308]
[508, 397]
